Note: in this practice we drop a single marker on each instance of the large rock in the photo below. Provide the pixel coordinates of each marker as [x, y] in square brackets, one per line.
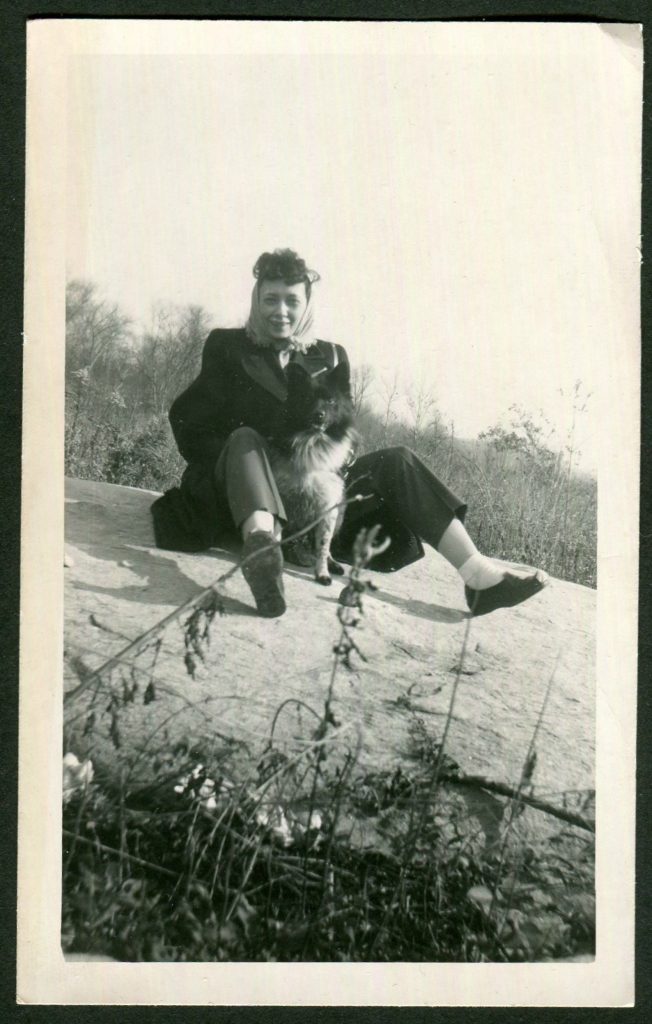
[412, 634]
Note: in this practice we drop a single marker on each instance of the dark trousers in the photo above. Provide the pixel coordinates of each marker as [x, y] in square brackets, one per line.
[399, 483]
[243, 475]
[395, 482]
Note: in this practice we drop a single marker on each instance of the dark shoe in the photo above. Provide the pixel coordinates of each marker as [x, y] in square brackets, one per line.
[264, 574]
[509, 592]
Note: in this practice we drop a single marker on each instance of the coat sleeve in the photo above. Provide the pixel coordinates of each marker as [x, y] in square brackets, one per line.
[197, 416]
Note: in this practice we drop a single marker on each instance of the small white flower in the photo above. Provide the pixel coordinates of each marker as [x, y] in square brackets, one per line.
[206, 791]
[76, 775]
[273, 818]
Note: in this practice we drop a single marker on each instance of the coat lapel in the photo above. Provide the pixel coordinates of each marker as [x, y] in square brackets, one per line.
[262, 367]
[313, 362]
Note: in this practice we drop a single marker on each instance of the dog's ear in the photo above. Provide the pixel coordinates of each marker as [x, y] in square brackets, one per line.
[339, 378]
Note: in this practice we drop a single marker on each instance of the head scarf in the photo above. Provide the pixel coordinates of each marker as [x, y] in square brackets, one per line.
[302, 338]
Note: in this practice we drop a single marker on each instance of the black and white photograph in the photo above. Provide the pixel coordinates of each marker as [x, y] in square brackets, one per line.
[330, 512]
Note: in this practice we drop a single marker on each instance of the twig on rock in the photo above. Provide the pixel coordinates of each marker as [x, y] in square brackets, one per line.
[480, 782]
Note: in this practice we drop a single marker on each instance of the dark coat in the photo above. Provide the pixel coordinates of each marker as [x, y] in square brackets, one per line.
[239, 384]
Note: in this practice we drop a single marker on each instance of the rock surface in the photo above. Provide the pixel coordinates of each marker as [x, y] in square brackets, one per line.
[117, 585]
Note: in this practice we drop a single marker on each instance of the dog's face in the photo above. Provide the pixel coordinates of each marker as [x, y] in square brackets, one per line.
[321, 403]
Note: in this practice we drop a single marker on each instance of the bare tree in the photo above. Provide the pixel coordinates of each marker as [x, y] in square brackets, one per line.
[362, 379]
[426, 428]
[390, 389]
[421, 404]
[97, 356]
[169, 353]
[96, 331]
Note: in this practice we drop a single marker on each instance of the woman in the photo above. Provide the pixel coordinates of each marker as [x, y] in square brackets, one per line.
[221, 424]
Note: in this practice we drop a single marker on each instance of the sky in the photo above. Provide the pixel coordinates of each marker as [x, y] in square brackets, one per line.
[472, 209]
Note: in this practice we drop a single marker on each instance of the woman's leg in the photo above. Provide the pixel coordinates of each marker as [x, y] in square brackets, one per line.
[413, 494]
[476, 570]
[397, 479]
[261, 522]
[243, 474]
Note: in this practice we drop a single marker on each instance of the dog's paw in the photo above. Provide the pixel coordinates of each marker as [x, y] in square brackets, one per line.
[335, 567]
[299, 552]
[324, 580]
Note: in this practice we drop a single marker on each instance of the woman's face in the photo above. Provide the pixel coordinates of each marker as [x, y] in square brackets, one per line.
[282, 306]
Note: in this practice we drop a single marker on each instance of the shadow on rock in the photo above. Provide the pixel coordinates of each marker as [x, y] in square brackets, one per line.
[422, 609]
[92, 529]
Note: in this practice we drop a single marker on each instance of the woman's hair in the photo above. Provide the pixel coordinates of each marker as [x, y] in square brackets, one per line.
[284, 265]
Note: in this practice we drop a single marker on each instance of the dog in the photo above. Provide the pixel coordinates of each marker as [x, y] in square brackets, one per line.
[308, 460]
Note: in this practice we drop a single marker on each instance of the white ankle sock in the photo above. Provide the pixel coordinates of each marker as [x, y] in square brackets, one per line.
[260, 520]
[480, 573]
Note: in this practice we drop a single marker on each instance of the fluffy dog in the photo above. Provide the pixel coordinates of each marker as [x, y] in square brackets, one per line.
[308, 460]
